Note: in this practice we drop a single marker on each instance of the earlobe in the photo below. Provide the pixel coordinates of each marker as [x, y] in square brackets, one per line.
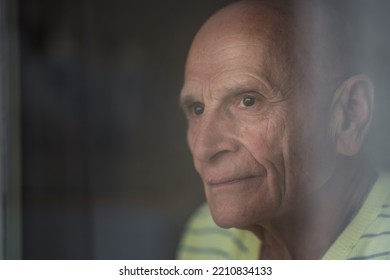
[351, 114]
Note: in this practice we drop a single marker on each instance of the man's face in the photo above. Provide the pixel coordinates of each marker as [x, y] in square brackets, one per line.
[250, 143]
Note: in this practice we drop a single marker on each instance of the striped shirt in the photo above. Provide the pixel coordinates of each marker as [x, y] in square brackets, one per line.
[366, 237]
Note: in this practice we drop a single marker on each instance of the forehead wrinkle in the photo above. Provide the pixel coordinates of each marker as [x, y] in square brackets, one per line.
[191, 94]
[239, 43]
[220, 56]
[241, 81]
[260, 68]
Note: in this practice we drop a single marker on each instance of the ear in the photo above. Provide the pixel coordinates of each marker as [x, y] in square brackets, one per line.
[351, 114]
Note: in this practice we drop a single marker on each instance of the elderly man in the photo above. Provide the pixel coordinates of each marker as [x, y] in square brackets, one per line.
[277, 117]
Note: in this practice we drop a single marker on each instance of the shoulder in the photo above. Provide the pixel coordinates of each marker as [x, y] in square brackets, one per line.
[203, 239]
[368, 234]
[374, 243]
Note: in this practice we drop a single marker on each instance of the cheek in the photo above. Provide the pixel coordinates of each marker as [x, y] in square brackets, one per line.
[269, 145]
[264, 139]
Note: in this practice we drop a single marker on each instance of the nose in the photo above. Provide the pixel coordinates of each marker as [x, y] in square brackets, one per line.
[211, 137]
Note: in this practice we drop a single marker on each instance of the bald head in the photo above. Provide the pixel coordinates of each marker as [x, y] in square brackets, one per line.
[264, 24]
[302, 41]
[246, 19]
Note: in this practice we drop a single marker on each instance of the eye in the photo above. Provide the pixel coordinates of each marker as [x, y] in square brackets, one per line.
[198, 109]
[247, 101]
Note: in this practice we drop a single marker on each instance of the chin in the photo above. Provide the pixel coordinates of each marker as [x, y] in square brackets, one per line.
[230, 216]
[226, 223]
[244, 212]
[241, 208]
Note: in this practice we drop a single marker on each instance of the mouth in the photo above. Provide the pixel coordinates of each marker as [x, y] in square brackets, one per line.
[230, 181]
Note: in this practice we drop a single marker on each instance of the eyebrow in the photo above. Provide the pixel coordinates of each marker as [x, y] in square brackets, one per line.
[263, 86]
[186, 100]
[244, 86]
[239, 88]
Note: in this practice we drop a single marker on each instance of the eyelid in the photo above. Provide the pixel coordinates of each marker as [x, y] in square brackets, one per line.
[253, 94]
[189, 107]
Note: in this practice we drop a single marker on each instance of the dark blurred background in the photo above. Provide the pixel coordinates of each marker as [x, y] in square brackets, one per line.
[105, 168]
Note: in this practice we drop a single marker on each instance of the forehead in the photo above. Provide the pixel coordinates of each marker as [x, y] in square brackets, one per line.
[243, 40]
[228, 61]
[218, 51]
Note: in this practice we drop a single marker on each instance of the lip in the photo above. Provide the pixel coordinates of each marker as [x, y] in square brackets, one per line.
[230, 181]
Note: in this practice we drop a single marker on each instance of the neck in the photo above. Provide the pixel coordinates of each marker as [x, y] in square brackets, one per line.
[316, 221]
